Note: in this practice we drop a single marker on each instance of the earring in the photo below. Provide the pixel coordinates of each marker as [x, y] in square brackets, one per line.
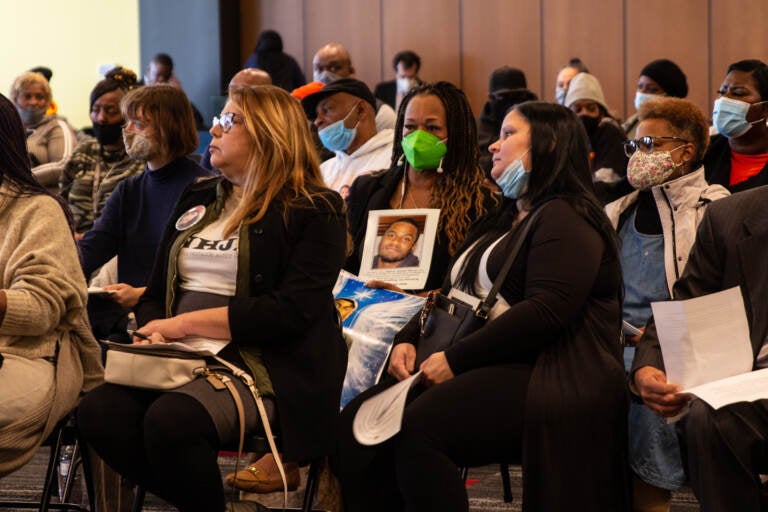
[440, 167]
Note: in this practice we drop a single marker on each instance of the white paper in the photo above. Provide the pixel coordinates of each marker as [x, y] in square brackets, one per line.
[408, 276]
[705, 338]
[745, 387]
[381, 416]
[630, 329]
[174, 345]
[98, 290]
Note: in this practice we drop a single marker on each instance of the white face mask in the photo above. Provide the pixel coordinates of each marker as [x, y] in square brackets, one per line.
[325, 77]
[642, 97]
[405, 84]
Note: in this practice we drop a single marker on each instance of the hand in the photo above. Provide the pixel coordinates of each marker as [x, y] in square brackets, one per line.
[436, 369]
[660, 396]
[163, 330]
[79, 236]
[634, 340]
[374, 283]
[124, 294]
[402, 361]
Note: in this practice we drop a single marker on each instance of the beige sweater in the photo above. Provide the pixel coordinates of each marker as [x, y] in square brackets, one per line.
[46, 295]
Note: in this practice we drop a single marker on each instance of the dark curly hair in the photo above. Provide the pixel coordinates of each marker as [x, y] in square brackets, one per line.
[458, 190]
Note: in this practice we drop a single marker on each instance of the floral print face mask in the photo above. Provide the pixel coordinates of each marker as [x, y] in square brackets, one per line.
[646, 170]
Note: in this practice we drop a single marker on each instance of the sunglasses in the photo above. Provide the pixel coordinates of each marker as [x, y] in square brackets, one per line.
[226, 120]
[646, 144]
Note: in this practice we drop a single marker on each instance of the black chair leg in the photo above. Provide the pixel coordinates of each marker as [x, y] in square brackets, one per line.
[85, 463]
[138, 499]
[311, 488]
[505, 483]
[50, 476]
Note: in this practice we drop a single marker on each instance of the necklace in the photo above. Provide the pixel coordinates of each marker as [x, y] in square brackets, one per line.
[405, 192]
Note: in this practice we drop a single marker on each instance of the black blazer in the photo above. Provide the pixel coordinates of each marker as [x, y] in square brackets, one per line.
[730, 250]
[717, 167]
[386, 92]
[289, 313]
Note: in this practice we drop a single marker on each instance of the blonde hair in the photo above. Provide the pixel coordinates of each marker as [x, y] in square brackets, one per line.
[24, 80]
[282, 164]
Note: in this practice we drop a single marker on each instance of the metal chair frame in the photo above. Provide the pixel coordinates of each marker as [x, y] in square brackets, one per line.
[65, 434]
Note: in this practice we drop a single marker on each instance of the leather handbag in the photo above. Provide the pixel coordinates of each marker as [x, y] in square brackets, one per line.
[128, 365]
[163, 368]
[444, 320]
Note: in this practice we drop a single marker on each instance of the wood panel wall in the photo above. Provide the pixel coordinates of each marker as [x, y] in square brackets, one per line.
[463, 41]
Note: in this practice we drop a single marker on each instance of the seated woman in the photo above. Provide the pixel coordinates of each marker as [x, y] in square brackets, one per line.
[606, 137]
[47, 353]
[99, 164]
[658, 78]
[657, 227]
[434, 165]
[51, 139]
[247, 263]
[160, 131]
[738, 156]
[543, 378]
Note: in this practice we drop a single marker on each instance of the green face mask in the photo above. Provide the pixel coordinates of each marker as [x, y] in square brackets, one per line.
[423, 150]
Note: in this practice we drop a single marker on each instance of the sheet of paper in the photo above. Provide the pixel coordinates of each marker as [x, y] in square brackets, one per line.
[98, 290]
[175, 345]
[381, 416]
[704, 339]
[745, 387]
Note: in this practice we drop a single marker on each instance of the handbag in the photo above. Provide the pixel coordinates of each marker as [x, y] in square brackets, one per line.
[157, 368]
[444, 319]
[164, 368]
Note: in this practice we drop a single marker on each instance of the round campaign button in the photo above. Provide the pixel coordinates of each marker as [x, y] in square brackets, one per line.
[190, 217]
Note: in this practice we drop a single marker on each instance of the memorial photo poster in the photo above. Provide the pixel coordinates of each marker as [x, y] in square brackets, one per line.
[371, 317]
[398, 246]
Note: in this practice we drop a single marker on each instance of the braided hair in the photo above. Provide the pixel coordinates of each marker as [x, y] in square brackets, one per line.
[458, 191]
[15, 167]
[116, 78]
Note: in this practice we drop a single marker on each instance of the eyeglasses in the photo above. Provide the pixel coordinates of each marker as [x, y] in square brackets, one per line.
[226, 120]
[646, 144]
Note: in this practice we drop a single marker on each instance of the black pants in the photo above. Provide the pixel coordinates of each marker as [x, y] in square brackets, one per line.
[727, 449]
[166, 442]
[471, 420]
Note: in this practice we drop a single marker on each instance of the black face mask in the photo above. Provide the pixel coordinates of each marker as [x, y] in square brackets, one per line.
[108, 134]
[590, 124]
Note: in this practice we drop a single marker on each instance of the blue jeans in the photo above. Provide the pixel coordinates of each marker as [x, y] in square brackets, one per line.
[654, 451]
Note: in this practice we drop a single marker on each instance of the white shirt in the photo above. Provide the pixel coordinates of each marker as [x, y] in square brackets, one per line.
[374, 154]
[385, 118]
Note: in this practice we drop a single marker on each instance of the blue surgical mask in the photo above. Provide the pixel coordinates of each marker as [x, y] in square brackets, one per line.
[730, 116]
[326, 77]
[560, 95]
[336, 136]
[513, 181]
[642, 97]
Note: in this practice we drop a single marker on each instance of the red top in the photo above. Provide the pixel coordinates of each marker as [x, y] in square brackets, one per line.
[744, 166]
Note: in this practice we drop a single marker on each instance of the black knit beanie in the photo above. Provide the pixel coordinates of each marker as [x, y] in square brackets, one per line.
[669, 77]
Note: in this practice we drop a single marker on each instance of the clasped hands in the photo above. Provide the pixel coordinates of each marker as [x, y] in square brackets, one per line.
[435, 368]
[660, 396]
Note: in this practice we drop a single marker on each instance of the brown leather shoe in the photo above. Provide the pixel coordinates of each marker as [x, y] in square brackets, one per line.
[256, 480]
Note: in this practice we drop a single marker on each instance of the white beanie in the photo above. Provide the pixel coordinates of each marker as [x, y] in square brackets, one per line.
[585, 87]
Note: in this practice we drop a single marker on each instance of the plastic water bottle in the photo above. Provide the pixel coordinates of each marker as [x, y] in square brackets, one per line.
[65, 464]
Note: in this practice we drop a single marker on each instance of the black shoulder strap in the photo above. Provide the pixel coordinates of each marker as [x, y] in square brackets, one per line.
[485, 306]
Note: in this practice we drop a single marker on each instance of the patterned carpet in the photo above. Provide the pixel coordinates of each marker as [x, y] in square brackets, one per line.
[484, 489]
